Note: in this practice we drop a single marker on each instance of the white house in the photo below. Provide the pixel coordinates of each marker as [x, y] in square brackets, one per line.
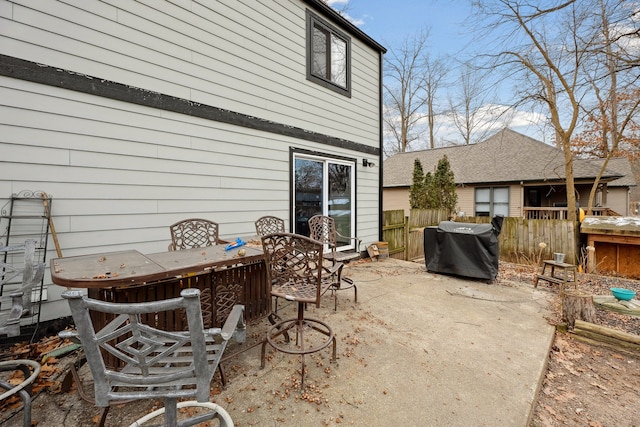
[134, 115]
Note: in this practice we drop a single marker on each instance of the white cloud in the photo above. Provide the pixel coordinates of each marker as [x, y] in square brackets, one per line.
[358, 22]
[339, 6]
[333, 3]
[490, 118]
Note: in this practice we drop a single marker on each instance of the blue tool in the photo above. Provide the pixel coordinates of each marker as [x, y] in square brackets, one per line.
[239, 242]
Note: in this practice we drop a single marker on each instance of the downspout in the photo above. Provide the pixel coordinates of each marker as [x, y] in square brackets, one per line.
[381, 156]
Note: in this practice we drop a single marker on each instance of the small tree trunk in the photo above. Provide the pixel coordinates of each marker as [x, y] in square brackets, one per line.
[577, 305]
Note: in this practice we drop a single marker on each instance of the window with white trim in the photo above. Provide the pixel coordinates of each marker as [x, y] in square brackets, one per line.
[324, 186]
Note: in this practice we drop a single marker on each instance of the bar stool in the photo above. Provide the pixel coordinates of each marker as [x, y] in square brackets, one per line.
[294, 268]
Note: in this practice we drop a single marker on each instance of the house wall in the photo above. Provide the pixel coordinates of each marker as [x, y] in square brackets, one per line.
[396, 198]
[466, 200]
[466, 197]
[618, 200]
[247, 59]
[120, 172]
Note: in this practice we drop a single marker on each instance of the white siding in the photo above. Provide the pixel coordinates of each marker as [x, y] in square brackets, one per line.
[466, 200]
[120, 173]
[247, 58]
[516, 199]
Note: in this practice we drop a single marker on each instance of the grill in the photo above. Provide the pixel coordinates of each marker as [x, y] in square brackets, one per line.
[463, 249]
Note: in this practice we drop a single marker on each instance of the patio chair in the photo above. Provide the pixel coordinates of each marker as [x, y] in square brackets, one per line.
[294, 267]
[30, 371]
[264, 226]
[193, 233]
[269, 224]
[154, 363]
[18, 280]
[323, 228]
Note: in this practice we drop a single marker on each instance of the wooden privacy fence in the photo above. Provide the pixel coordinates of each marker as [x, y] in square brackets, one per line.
[520, 239]
[404, 234]
[394, 232]
[418, 220]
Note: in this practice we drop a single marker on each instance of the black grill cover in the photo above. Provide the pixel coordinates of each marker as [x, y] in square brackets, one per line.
[463, 249]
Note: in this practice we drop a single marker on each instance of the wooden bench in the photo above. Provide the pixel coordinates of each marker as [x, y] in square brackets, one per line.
[567, 274]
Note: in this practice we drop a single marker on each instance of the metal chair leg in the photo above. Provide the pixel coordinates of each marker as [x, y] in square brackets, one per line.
[26, 403]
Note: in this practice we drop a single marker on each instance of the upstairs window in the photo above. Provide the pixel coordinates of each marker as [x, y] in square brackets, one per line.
[328, 56]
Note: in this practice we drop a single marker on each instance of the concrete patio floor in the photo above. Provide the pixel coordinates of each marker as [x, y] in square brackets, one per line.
[418, 349]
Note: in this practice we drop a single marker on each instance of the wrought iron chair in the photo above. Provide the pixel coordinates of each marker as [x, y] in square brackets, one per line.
[323, 228]
[264, 226]
[294, 267]
[18, 280]
[154, 363]
[269, 224]
[193, 233]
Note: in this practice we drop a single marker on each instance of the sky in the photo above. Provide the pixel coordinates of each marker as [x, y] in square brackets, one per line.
[391, 22]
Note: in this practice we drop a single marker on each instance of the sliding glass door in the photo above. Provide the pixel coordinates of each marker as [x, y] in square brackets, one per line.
[324, 186]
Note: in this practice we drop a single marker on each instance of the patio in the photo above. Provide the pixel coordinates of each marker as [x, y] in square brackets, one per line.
[417, 349]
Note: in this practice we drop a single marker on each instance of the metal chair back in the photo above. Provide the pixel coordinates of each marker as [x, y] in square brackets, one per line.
[294, 267]
[193, 233]
[269, 224]
[323, 228]
[153, 363]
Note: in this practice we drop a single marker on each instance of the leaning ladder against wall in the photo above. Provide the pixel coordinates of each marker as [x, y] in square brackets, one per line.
[26, 215]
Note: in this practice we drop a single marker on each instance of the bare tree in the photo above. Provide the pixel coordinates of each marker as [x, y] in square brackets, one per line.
[471, 110]
[411, 81]
[435, 71]
[625, 33]
[342, 7]
[614, 84]
[404, 91]
[545, 43]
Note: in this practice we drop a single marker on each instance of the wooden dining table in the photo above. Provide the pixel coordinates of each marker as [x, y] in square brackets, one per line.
[225, 277]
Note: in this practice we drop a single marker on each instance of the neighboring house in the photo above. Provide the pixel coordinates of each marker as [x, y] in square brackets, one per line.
[634, 195]
[134, 115]
[618, 197]
[512, 175]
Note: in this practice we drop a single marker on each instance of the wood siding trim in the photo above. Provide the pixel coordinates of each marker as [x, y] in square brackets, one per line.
[466, 198]
[66, 79]
[516, 199]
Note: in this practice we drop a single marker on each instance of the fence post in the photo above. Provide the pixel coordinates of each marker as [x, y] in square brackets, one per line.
[406, 238]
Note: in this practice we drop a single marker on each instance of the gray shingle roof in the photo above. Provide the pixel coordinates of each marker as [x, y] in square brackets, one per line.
[622, 166]
[507, 156]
